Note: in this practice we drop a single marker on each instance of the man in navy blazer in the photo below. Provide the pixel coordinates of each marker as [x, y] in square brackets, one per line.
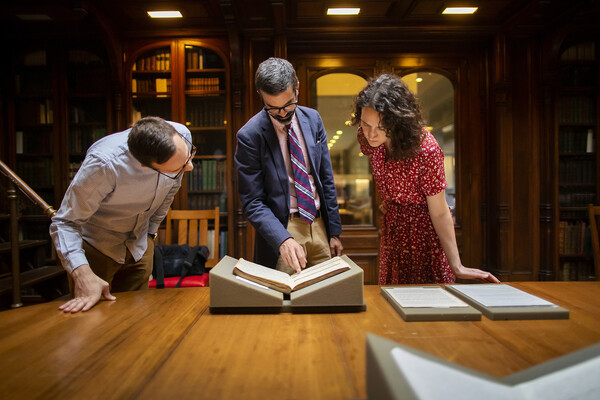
[284, 240]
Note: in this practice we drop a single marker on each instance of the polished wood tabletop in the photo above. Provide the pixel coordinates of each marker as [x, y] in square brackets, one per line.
[162, 344]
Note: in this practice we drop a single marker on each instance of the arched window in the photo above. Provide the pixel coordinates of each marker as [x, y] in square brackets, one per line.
[436, 97]
[333, 95]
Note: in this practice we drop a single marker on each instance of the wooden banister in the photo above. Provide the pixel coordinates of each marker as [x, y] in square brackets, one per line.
[27, 191]
[17, 182]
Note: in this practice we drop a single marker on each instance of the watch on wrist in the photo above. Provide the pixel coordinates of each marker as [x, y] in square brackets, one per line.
[153, 235]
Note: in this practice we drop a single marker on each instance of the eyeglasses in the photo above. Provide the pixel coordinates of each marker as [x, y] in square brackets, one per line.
[181, 171]
[287, 108]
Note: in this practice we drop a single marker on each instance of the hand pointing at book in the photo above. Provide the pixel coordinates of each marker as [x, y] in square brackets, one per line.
[293, 254]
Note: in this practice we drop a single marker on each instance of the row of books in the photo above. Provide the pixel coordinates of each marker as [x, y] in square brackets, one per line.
[574, 237]
[36, 172]
[210, 239]
[159, 61]
[84, 57]
[92, 79]
[577, 170]
[209, 84]
[207, 175]
[33, 142]
[198, 58]
[580, 52]
[576, 198]
[89, 111]
[206, 114]
[576, 110]
[577, 271]
[158, 85]
[80, 139]
[576, 140]
[151, 106]
[207, 201]
[577, 75]
[35, 112]
[33, 83]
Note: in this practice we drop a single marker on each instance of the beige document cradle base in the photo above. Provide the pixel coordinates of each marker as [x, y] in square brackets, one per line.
[232, 295]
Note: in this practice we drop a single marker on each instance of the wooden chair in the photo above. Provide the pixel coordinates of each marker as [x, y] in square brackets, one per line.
[594, 214]
[192, 229]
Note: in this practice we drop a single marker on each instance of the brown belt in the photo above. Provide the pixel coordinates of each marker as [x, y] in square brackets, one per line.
[297, 215]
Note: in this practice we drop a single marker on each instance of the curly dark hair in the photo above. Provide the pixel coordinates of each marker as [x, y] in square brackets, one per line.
[400, 113]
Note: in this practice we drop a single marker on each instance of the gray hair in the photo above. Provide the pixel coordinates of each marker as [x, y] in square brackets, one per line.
[274, 76]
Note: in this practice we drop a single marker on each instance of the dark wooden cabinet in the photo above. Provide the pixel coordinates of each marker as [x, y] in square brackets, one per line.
[61, 106]
[187, 81]
[576, 158]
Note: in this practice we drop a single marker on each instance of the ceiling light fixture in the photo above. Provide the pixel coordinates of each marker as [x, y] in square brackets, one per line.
[34, 17]
[343, 11]
[165, 14]
[459, 10]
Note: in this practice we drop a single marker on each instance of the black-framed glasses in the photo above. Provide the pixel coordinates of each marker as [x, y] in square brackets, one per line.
[192, 154]
[289, 107]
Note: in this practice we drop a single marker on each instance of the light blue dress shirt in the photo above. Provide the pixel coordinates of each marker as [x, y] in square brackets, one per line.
[112, 203]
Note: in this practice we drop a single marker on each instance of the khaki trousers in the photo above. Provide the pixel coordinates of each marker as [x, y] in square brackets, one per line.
[121, 277]
[313, 239]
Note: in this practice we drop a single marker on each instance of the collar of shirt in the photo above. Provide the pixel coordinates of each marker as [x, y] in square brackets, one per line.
[279, 127]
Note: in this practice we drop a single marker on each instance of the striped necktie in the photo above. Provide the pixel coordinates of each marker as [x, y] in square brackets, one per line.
[304, 194]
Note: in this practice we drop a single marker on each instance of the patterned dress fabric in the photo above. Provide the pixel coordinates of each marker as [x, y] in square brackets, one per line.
[410, 250]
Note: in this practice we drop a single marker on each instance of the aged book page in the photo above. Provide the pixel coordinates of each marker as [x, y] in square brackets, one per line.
[285, 283]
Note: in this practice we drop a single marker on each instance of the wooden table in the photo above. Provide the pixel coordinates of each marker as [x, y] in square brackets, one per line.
[164, 344]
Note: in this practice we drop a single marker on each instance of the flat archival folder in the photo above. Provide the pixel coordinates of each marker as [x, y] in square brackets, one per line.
[428, 303]
[285, 283]
[504, 302]
[395, 371]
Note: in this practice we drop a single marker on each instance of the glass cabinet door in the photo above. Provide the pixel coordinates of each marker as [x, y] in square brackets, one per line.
[35, 129]
[334, 97]
[205, 105]
[436, 98]
[151, 84]
[87, 82]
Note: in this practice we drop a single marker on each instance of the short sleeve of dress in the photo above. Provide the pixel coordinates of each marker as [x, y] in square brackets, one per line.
[432, 176]
[365, 148]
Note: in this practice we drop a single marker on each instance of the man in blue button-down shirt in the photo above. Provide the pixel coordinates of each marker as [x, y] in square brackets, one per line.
[104, 229]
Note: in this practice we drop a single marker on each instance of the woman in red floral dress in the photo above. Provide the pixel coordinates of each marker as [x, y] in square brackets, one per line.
[418, 244]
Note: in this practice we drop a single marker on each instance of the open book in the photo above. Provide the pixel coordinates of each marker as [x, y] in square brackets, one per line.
[285, 283]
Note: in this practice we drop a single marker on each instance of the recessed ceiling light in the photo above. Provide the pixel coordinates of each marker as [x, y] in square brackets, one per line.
[343, 11]
[34, 17]
[459, 10]
[165, 14]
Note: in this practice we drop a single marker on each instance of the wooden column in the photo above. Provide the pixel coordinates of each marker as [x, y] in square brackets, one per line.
[501, 143]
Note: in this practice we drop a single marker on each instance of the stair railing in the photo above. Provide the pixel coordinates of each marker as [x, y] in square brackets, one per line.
[17, 182]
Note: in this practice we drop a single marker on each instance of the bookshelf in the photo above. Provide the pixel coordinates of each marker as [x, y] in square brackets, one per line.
[187, 81]
[151, 84]
[61, 107]
[87, 75]
[577, 153]
[35, 128]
